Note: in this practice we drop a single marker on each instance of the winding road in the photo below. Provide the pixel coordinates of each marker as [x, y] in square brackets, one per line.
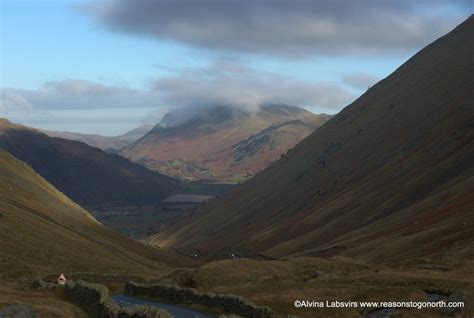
[180, 312]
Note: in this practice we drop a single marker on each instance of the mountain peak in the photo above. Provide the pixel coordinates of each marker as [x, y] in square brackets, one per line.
[390, 176]
[283, 110]
[200, 144]
[213, 114]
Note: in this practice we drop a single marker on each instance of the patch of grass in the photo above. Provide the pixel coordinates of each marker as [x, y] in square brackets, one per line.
[42, 231]
[139, 221]
[46, 303]
[202, 188]
[278, 284]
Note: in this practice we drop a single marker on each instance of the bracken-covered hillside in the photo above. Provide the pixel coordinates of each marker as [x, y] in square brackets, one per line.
[391, 176]
[42, 231]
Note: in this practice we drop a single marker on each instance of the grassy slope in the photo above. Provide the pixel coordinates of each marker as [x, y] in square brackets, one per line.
[279, 283]
[46, 303]
[391, 176]
[260, 150]
[43, 231]
[84, 173]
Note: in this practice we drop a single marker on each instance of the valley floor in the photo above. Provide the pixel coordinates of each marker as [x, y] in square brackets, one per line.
[279, 283]
[141, 220]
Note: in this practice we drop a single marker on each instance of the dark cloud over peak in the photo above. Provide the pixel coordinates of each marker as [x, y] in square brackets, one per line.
[285, 28]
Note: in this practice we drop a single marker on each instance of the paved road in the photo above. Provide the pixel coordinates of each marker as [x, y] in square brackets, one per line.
[180, 312]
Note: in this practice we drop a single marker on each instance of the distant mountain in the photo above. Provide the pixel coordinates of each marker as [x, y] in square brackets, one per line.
[43, 232]
[390, 177]
[222, 143]
[84, 173]
[109, 144]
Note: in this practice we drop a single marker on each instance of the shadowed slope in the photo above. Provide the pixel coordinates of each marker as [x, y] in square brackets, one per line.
[391, 176]
[84, 173]
[43, 231]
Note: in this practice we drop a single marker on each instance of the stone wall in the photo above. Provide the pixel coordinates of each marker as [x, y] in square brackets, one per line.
[40, 283]
[94, 277]
[95, 299]
[229, 304]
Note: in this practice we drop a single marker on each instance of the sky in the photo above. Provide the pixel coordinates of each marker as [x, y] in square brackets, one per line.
[108, 66]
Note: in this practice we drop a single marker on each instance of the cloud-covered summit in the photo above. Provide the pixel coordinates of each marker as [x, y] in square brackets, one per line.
[234, 84]
[65, 66]
[191, 90]
[284, 28]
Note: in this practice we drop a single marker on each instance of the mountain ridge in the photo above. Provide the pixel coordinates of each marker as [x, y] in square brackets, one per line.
[42, 231]
[84, 173]
[106, 143]
[200, 146]
[393, 165]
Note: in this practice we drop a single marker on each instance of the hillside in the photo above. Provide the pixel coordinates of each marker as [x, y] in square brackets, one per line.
[109, 144]
[42, 231]
[222, 143]
[84, 173]
[391, 176]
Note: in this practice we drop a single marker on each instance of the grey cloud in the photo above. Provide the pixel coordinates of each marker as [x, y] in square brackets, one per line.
[233, 84]
[291, 28]
[14, 105]
[81, 87]
[11, 101]
[75, 94]
[360, 80]
[223, 82]
[76, 103]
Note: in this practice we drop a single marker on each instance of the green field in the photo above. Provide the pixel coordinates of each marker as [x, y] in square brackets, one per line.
[200, 188]
[139, 221]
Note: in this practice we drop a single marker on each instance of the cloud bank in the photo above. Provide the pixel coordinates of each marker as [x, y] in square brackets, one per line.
[222, 82]
[284, 28]
[234, 84]
[74, 94]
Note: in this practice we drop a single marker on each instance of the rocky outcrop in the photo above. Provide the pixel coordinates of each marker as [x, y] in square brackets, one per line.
[230, 304]
[40, 283]
[95, 299]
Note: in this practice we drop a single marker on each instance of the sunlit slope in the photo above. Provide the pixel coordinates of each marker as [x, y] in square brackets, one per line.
[42, 231]
[390, 176]
[223, 143]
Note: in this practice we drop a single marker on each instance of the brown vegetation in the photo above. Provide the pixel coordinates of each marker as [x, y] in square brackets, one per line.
[42, 231]
[390, 177]
[228, 145]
